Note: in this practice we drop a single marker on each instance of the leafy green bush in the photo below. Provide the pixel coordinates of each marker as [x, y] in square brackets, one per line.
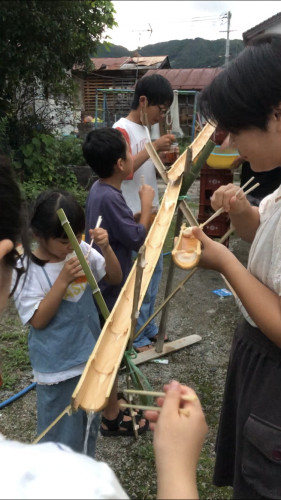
[70, 151]
[45, 163]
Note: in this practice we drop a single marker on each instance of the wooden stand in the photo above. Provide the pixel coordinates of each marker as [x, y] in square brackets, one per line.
[168, 348]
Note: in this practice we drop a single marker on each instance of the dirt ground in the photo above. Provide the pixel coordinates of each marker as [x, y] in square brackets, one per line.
[195, 309]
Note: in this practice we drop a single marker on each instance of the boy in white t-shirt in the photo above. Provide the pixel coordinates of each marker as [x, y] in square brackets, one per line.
[152, 98]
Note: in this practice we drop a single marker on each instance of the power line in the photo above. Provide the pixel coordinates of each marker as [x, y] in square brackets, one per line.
[192, 20]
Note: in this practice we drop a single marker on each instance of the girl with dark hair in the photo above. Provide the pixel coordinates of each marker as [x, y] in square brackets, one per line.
[152, 98]
[13, 219]
[12, 233]
[60, 309]
[245, 100]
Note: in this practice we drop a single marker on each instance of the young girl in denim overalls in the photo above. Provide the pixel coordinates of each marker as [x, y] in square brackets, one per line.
[60, 309]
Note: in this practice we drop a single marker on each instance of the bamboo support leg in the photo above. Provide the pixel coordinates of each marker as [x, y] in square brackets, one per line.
[181, 284]
[138, 279]
[169, 283]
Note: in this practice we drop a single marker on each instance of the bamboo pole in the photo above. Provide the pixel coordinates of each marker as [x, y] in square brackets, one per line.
[137, 288]
[156, 160]
[182, 283]
[191, 173]
[169, 283]
[196, 166]
[84, 264]
[67, 410]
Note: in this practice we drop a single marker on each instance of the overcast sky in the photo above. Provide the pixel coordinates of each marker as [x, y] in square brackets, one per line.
[177, 20]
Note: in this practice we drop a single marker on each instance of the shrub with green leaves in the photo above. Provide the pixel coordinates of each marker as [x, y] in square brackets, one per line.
[45, 163]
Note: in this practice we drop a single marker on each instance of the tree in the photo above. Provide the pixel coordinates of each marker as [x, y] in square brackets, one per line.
[40, 43]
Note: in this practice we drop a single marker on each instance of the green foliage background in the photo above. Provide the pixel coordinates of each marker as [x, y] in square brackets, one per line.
[40, 43]
[41, 40]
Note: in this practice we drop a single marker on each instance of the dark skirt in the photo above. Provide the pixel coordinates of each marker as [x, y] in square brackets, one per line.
[248, 448]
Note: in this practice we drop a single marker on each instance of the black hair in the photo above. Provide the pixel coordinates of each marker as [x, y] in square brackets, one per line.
[13, 212]
[45, 222]
[157, 90]
[102, 149]
[246, 92]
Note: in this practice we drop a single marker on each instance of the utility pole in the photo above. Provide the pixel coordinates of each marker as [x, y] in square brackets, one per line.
[139, 46]
[226, 59]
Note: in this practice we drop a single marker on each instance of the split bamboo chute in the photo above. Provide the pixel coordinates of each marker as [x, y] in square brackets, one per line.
[95, 384]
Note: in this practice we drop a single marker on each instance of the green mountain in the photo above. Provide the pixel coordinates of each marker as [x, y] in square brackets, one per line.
[189, 53]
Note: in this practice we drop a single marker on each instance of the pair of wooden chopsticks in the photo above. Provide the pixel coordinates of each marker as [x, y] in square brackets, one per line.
[184, 411]
[221, 210]
[92, 240]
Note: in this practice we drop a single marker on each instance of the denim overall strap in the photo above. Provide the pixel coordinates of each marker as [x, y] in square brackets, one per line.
[47, 277]
[69, 337]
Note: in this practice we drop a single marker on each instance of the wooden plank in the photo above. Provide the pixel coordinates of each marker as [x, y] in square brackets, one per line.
[168, 348]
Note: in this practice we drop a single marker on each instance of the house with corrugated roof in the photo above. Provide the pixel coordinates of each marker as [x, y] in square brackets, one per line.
[269, 26]
[187, 83]
[104, 89]
[107, 90]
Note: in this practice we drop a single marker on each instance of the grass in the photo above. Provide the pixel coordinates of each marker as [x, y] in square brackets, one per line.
[14, 351]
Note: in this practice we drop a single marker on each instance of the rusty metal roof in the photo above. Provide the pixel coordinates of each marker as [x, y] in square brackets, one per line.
[126, 62]
[187, 79]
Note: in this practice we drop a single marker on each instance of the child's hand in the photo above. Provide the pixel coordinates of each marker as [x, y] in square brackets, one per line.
[214, 255]
[70, 270]
[225, 196]
[146, 194]
[164, 142]
[178, 438]
[137, 216]
[100, 237]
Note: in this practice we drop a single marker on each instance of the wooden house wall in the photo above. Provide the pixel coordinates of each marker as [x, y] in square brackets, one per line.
[117, 104]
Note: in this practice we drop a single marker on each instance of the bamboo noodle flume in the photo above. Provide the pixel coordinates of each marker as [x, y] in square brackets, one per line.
[95, 384]
[84, 264]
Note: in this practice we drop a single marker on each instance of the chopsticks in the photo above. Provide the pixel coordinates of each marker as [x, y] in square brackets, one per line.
[92, 240]
[183, 411]
[221, 210]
